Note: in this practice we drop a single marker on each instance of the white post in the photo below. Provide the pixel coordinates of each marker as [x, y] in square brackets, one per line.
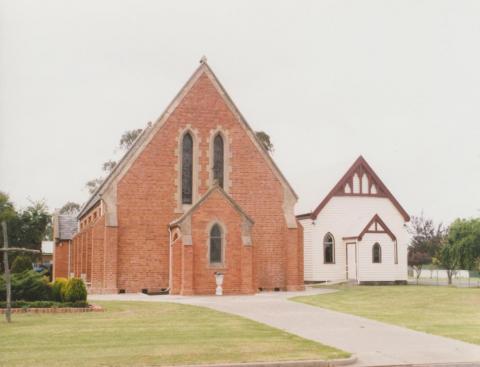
[219, 282]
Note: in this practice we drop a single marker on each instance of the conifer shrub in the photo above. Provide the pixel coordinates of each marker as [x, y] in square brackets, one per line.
[58, 289]
[21, 264]
[75, 290]
[27, 286]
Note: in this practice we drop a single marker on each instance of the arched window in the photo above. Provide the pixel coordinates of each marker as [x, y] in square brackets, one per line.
[216, 246]
[376, 253]
[187, 168]
[218, 162]
[328, 249]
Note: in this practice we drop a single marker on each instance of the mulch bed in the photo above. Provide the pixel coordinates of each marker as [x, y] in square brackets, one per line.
[91, 308]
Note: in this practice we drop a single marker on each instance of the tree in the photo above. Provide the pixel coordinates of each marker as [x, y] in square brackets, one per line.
[7, 211]
[426, 239]
[21, 263]
[37, 214]
[265, 140]
[30, 226]
[93, 185]
[464, 236]
[108, 166]
[128, 138]
[446, 258]
[70, 208]
[126, 141]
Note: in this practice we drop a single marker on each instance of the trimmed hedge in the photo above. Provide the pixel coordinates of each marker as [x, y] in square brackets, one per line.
[31, 289]
[75, 290]
[58, 289]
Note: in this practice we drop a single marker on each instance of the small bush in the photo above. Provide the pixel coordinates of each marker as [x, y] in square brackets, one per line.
[75, 290]
[58, 289]
[27, 286]
[21, 264]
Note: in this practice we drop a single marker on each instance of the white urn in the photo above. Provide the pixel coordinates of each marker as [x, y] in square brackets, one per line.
[219, 282]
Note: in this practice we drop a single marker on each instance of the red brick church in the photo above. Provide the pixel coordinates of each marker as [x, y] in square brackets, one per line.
[196, 194]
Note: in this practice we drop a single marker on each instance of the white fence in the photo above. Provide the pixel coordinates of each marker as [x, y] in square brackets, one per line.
[442, 274]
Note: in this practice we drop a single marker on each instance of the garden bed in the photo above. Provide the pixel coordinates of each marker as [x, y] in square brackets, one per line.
[50, 307]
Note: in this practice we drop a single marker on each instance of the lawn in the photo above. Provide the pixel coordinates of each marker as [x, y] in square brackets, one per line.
[447, 311]
[144, 334]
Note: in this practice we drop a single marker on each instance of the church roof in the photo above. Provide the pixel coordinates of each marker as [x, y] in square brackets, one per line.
[345, 187]
[213, 189]
[65, 226]
[150, 131]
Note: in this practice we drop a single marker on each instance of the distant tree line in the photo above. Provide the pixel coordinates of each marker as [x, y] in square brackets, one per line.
[27, 227]
[450, 248]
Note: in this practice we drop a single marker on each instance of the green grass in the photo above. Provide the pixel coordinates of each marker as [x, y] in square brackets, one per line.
[447, 311]
[144, 334]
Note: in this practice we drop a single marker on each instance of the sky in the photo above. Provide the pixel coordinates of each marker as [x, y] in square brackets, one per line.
[395, 81]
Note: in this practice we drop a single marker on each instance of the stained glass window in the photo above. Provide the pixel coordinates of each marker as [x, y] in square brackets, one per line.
[218, 160]
[216, 245]
[187, 168]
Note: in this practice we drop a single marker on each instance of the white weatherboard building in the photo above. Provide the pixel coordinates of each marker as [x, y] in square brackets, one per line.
[358, 232]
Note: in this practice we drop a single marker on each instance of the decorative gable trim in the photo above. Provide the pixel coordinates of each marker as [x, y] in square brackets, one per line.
[376, 225]
[361, 181]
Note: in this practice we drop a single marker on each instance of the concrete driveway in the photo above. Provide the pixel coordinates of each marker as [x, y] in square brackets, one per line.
[373, 342]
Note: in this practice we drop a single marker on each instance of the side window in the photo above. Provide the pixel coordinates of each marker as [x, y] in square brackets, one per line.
[376, 253]
[328, 249]
[216, 245]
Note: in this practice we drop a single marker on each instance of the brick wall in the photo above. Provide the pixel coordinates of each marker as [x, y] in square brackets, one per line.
[60, 259]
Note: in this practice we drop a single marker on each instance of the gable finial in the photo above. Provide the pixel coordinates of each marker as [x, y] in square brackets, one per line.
[203, 60]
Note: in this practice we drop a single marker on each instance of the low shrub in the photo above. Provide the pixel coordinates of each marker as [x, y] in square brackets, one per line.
[44, 304]
[27, 286]
[21, 264]
[58, 289]
[75, 290]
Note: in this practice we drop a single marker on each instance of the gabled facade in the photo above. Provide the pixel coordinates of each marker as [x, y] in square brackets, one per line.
[358, 232]
[196, 194]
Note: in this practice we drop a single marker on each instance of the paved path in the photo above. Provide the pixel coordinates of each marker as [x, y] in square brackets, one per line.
[373, 342]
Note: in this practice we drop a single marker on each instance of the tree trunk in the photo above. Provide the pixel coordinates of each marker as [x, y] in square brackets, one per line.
[418, 271]
[8, 281]
[449, 273]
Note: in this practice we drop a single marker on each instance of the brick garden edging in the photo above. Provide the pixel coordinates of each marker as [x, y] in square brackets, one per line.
[92, 308]
[306, 363]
